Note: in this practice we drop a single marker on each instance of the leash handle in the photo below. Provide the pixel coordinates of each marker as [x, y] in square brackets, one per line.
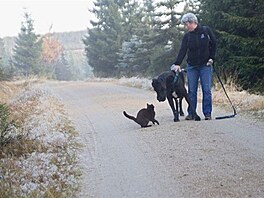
[224, 117]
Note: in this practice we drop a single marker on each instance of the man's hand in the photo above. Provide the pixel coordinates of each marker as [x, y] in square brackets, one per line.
[210, 62]
[175, 68]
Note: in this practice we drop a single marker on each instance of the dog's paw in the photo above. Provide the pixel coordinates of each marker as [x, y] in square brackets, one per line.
[176, 120]
[197, 118]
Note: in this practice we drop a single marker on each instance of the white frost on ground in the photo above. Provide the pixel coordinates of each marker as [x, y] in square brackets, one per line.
[142, 83]
[53, 166]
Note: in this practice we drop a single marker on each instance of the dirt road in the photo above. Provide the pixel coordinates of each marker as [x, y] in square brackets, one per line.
[217, 158]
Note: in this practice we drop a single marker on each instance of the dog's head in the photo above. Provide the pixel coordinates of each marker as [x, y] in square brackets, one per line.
[159, 85]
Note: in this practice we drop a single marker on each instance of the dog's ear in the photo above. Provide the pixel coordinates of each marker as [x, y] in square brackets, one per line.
[154, 81]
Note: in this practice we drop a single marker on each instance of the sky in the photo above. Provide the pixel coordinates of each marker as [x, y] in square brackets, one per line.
[64, 16]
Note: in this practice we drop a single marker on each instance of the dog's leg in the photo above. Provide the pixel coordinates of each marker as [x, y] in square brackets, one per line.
[176, 117]
[171, 103]
[180, 103]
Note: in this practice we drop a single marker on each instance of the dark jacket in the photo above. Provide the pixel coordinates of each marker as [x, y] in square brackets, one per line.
[200, 46]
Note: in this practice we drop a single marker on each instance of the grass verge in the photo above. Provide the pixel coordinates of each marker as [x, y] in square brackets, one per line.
[43, 161]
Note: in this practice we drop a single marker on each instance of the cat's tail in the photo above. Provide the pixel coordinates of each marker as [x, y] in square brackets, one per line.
[130, 117]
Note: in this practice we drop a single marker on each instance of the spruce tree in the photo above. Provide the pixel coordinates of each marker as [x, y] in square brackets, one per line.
[63, 69]
[239, 27]
[136, 25]
[168, 35]
[27, 50]
[104, 40]
[128, 63]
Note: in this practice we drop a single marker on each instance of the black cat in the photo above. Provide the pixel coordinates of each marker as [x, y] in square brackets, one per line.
[144, 116]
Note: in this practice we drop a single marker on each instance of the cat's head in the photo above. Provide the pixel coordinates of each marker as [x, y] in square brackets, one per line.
[150, 106]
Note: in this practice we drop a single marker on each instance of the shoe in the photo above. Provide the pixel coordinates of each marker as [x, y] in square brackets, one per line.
[208, 118]
[189, 117]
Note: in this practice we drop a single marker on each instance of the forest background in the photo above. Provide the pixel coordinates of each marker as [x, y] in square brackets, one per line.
[141, 38]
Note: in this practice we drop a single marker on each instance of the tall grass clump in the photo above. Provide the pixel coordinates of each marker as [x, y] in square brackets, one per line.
[7, 126]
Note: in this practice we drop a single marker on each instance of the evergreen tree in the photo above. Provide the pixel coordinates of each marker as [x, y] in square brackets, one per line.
[136, 25]
[128, 64]
[167, 35]
[146, 49]
[62, 68]
[105, 38]
[239, 28]
[27, 50]
[5, 69]
[131, 19]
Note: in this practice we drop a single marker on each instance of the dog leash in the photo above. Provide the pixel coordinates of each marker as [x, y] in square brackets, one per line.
[175, 77]
[220, 81]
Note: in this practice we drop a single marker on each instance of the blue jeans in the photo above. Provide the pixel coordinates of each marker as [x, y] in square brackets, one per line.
[204, 73]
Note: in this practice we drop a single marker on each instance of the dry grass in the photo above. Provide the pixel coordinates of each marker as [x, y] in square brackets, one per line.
[243, 101]
[43, 161]
[9, 90]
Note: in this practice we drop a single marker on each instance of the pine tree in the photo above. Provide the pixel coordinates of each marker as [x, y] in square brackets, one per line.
[136, 23]
[62, 68]
[105, 38]
[128, 63]
[131, 19]
[27, 50]
[167, 35]
[239, 28]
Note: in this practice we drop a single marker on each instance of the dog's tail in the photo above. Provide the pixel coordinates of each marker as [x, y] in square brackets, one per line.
[130, 117]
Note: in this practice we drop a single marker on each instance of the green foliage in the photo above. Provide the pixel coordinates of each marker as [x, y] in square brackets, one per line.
[27, 50]
[167, 36]
[128, 63]
[239, 27]
[112, 39]
[143, 38]
[104, 40]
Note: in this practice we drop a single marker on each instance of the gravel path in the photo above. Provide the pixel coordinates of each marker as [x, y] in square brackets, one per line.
[217, 158]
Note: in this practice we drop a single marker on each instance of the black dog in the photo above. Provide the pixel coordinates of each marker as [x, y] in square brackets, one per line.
[170, 85]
